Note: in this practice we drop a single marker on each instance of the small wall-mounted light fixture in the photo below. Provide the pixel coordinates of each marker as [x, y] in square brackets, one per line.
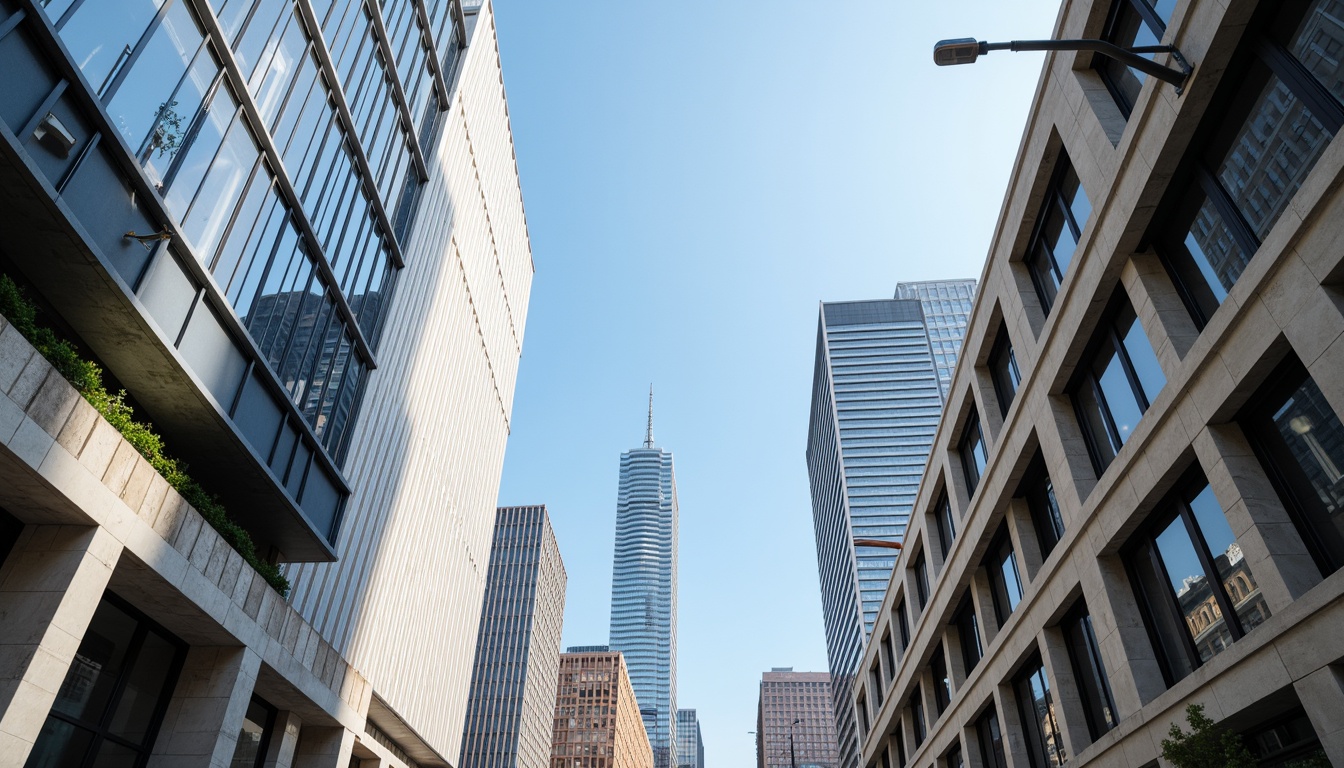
[53, 135]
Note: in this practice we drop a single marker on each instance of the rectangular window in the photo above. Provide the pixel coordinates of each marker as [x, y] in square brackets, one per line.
[1004, 581]
[255, 735]
[973, 453]
[917, 715]
[902, 625]
[1058, 228]
[1196, 589]
[1037, 710]
[1132, 23]
[1299, 439]
[900, 745]
[109, 708]
[889, 655]
[875, 683]
[1089, 672]
[968, 633]
[1003, 369]
[947, 525]
[1037, 490]
[1116, 383]
[1276, 113]
[991, 739]
[942, 683]
[954, 758]
[921, 581]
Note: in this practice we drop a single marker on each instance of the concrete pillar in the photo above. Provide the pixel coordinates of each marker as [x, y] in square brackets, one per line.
[1322, 696]
[1160, 310]
[1026, 544]
[1122, 637]
[1010, 727]
[284, 740]
[206, 712]
[324, 747]
[50, 586]
[1278, 558]
[970, 747]
[1064, 691]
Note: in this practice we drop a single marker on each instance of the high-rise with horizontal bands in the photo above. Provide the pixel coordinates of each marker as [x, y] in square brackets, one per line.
[876, 401]
[293, 232]
[512, 703]
[644, 588]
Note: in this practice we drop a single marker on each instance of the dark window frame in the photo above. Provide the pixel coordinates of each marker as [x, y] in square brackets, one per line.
[946, 524]
[1089, 671]
[989, 733]
[1036, 247]
[903, 625]
[942, 682]
[994, 560]
[921, 569]
[1038, 742]
[1147, 15]
[917, 719]
[1305, 509]
[1003, 370]
[968, 629]
[1232, 105]
[973, 438]
[1038, 491]
[1106, 338]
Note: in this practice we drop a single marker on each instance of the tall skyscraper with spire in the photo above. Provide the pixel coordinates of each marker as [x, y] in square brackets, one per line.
[644, 588]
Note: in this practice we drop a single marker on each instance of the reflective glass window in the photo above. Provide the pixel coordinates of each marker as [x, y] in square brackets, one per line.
[1003, 369]
[947, 525]
[917, 716]
[989, 735]
[974, 455]
[1089, 672]
[968, 634]
[1132, 23]
[1060, 224]
[1005, 582]
[1045, 743]
[1039, 493]
[102, 35]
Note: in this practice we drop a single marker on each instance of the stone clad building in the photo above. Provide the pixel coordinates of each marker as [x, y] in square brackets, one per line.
[293, 233]
[1134, 496]
[597, 720]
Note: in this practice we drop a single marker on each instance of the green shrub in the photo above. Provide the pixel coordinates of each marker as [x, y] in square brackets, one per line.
[87, 379]
[1208, 745]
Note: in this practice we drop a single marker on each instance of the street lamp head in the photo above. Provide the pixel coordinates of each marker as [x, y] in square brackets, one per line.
[963, 50]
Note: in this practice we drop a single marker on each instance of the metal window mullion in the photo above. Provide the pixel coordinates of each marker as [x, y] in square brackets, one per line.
[435, 64]
[316, 252]
[336, 91]
[1227, 209]
[1127, 365]
[1206, 561]
[398, 91]
[1170, 603]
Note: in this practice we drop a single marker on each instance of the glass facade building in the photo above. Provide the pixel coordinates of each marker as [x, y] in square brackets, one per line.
[690, 744]
[513, 681]
[876, 402]
[947, 307]
[644, 589]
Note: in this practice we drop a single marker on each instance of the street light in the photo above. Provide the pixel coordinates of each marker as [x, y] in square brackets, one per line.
[877, 543]
[793, 758]
[965, 50]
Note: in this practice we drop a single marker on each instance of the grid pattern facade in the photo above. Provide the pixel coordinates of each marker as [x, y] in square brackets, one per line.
[947, 307]
[690, 744]
[510, 713]
[1156, 521]
[797, 706]
[597, 719]
[644, 590]
[876, 402]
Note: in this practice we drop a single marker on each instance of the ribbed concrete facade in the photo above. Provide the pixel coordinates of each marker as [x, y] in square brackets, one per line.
[428, 453]
[510, 712]
[1156, 522]
[597, 718]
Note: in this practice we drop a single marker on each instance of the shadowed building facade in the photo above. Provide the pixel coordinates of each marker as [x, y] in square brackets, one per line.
[644, 588]
[513, 682]
[293, 232]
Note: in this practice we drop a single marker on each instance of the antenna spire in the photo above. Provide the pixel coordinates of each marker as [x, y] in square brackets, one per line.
[648, 436]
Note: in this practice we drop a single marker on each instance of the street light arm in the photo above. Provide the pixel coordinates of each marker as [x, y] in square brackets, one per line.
[1130, 57]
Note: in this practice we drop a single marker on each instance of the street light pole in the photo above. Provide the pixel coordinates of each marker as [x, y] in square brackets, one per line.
[965, 50]
[793, 757]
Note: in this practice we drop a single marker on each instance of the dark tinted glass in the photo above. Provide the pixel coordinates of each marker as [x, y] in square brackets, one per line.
[942, 684]
[1004, 580]
[1089, 672]
[1046, 518]
[921, 581]
[1037, 708]
[973, 453]
[947, 526]
[968, 634]
[1118, 385]
[991, 739]
[917, 716]
[1003, 368]
[1062, 218]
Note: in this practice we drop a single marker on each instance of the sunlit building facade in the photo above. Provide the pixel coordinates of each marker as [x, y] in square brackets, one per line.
[795, 720]
[597, 719]
[947, 306]
[644, 589]
[293, 233]
[1132, 503]
[690, 742]
[876, 401]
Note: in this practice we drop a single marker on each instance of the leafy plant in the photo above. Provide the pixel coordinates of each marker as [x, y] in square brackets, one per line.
[1207, 745]
[87, 378]
[167, 129]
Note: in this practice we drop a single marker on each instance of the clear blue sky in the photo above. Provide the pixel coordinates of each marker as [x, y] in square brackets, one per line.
[697, 178]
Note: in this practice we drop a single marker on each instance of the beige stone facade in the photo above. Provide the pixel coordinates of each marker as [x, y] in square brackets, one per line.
[956, 646]
[597, 720]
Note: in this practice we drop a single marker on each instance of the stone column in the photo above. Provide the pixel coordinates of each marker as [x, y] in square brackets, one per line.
[284, 740]
[1011, 729]
[50, 586]
[1064, 692]
[324, 747]
[205, 715]
[1322, 695]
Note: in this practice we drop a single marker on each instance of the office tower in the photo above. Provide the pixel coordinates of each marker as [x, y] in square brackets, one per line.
[293, 233]
[690, 744]
[947, 306]
[795, 720]
[597, 719]
[644, 588]
[510, 714]
[876, 402]
[1135, 491]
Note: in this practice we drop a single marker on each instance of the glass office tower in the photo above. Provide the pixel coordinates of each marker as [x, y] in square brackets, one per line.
[876, 401]
[690, 743]
[644, 589]
[947, 307]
